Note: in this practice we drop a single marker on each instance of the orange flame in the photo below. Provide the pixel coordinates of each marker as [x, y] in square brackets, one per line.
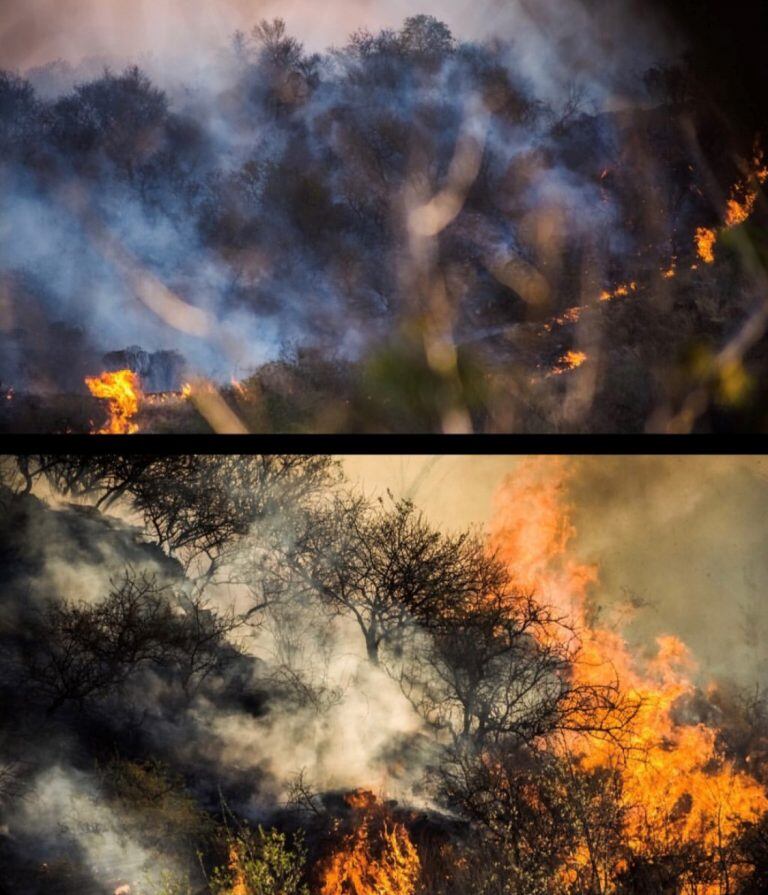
[239, 886]
[670, 272]
[569, 361]
[376, 858]
[738, 209]
[705, 240]
[619, 292]
[677, 786]
[121, 390]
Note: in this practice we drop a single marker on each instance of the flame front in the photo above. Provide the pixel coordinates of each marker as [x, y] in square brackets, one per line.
[376, 858]
[738, 209]
[122, 391]
[620, 291]
[676, 784]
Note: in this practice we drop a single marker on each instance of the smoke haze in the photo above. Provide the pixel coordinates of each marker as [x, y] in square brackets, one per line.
[681, 536]
[584, 34]
[129, 742]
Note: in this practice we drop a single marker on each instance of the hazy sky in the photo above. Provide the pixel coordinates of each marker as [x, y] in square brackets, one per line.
[38, 30]
[687, 535]
[603, 43]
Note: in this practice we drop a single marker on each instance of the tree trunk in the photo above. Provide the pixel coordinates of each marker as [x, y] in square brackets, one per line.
[372, 646]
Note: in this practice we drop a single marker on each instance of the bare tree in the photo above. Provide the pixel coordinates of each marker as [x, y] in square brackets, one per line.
[498, 668]
[386, 567]
[196, 507]
[76, 652]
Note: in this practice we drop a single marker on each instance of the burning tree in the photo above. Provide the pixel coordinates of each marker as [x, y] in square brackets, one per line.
[680, 799]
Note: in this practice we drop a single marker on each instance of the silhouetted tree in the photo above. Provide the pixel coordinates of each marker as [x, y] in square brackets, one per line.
[74, 653]
[196, 507]
[120, 118]
[385, 566]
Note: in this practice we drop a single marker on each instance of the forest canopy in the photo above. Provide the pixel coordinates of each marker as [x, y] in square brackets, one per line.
[407, 231]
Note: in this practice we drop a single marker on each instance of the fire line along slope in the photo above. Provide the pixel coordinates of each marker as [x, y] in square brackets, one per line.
[413, 231]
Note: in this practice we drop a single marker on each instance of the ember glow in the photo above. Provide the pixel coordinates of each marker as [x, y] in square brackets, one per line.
[571, 360]
[620, 291]
[122, 391]
[738, 209]
[705, 239]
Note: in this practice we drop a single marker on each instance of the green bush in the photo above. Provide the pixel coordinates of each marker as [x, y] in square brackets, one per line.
[261, 863]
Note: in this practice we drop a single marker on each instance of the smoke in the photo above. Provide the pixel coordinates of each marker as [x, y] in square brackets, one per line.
[344, 742]
[211, 224]
[682, 538]
[73, 553]
[579, 35]
[64, 809]
[300, 698]
[85, 285]
[678, 541]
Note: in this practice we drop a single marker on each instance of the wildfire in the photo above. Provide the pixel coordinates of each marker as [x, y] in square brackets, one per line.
[619, 292]
[705, 240]
[122, 391]
[676, 786]
[569, 361]
[376, 858]
[738, 209]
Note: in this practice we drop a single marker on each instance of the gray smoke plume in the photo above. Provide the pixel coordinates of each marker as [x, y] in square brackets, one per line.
[256, 205]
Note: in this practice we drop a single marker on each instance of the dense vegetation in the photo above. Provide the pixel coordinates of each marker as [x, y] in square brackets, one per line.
[266, 221]
[207, 663]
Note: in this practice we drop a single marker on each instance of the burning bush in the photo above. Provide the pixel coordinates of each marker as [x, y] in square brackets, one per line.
[376, 857]
[121, 390]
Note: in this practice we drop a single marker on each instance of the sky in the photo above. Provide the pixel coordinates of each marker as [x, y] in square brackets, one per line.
[35, 31]
[684, 536]
[599, 41]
